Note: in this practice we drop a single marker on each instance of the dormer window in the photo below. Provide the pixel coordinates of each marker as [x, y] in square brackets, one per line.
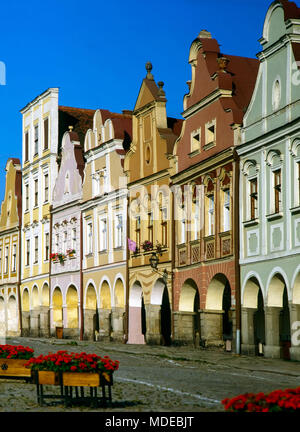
[195, 140]
[210, 135]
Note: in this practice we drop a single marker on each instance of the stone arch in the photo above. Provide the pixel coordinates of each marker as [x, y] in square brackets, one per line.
[253, 318]
[57, 310]
[45, 295]
[25, 300]
[2, 318]
[160, 313]
[35, 301]
[72, 307]
[219, 318]
[187, 319]
[119, 293]
[118, 310]
[91, 316]
[105, 295]
[105, 310]
[12, 316]
[136, 318]
[278, 325]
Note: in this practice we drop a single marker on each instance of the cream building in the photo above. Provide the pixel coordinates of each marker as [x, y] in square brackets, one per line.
[10, 225]
[39, 170]
[104, 210]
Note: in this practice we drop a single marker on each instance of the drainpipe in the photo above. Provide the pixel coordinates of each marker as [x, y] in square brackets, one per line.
[127, 273]
[81, 280]
[19, 281]
[50, 261]
[172, 263]
[236, 251]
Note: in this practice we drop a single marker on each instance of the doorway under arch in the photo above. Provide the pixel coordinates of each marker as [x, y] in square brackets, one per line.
[137, 315]
[187, 327]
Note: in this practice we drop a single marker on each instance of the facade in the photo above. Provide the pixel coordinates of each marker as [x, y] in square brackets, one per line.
[65, 257]
[147, 163]
[104, 219]
[10, 230]
[269, 192]
[39, 171]
[206, 171]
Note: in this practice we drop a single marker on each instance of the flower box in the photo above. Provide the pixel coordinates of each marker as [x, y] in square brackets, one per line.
[81, 379]
[48, 377]
[14, 368]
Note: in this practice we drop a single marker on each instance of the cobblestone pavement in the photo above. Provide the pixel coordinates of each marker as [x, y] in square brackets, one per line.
[159, 379]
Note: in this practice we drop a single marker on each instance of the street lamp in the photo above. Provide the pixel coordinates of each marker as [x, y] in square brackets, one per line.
[154, 261]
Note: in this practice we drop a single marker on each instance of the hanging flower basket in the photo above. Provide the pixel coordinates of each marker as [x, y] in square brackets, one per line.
[54, 257]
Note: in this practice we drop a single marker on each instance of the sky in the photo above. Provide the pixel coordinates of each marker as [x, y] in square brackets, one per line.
[96, 51]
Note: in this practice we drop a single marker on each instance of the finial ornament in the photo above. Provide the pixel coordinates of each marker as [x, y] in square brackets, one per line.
[149, 69]
[160, 90]
[70, 128]
[223, 62]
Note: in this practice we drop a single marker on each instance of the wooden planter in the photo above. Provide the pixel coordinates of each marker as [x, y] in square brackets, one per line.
[48, 378]
[14, 368]
[81, 379]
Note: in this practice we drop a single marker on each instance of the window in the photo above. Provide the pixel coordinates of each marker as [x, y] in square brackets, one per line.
[73, 238]
[210, 134]
[1, 262]
[164, 226]
[26, 197]
[138, 232]
[67, 184]
[195, 140]
[56, 243]
[65, 242]
[36, 249]
[6, 259]
[196, 214]
[183, 230]
[14, 258]
[298, 166]
[277, 190]
[89, 238]
[26, 145]
[36, 192]
[118, 231]
[46, 188]
[103, 234]
[253, 199]
[226, 210]
[150, 227]
[36, 140]
[46, 133]
[47, 246]
[211, 215]
[28, 252]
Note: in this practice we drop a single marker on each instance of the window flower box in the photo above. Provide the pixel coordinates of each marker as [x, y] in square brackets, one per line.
[71, 253]
[147, 246]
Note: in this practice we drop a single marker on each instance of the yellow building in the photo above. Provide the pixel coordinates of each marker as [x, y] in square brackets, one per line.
[10, 226]
[39, 170]
[104, 206]
[150, 216]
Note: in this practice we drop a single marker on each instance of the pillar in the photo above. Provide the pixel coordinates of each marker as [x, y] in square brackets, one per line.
[104, 324]
[44, 321]
[184, 328]
[153, 324]
[211, 322]
[88, 320]
[117, 324]
[272, 348]
[247, 331]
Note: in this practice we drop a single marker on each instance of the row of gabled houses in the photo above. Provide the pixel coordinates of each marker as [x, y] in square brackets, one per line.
[142, 228]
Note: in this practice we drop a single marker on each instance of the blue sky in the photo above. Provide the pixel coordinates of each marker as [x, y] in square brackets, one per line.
[95, 51]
